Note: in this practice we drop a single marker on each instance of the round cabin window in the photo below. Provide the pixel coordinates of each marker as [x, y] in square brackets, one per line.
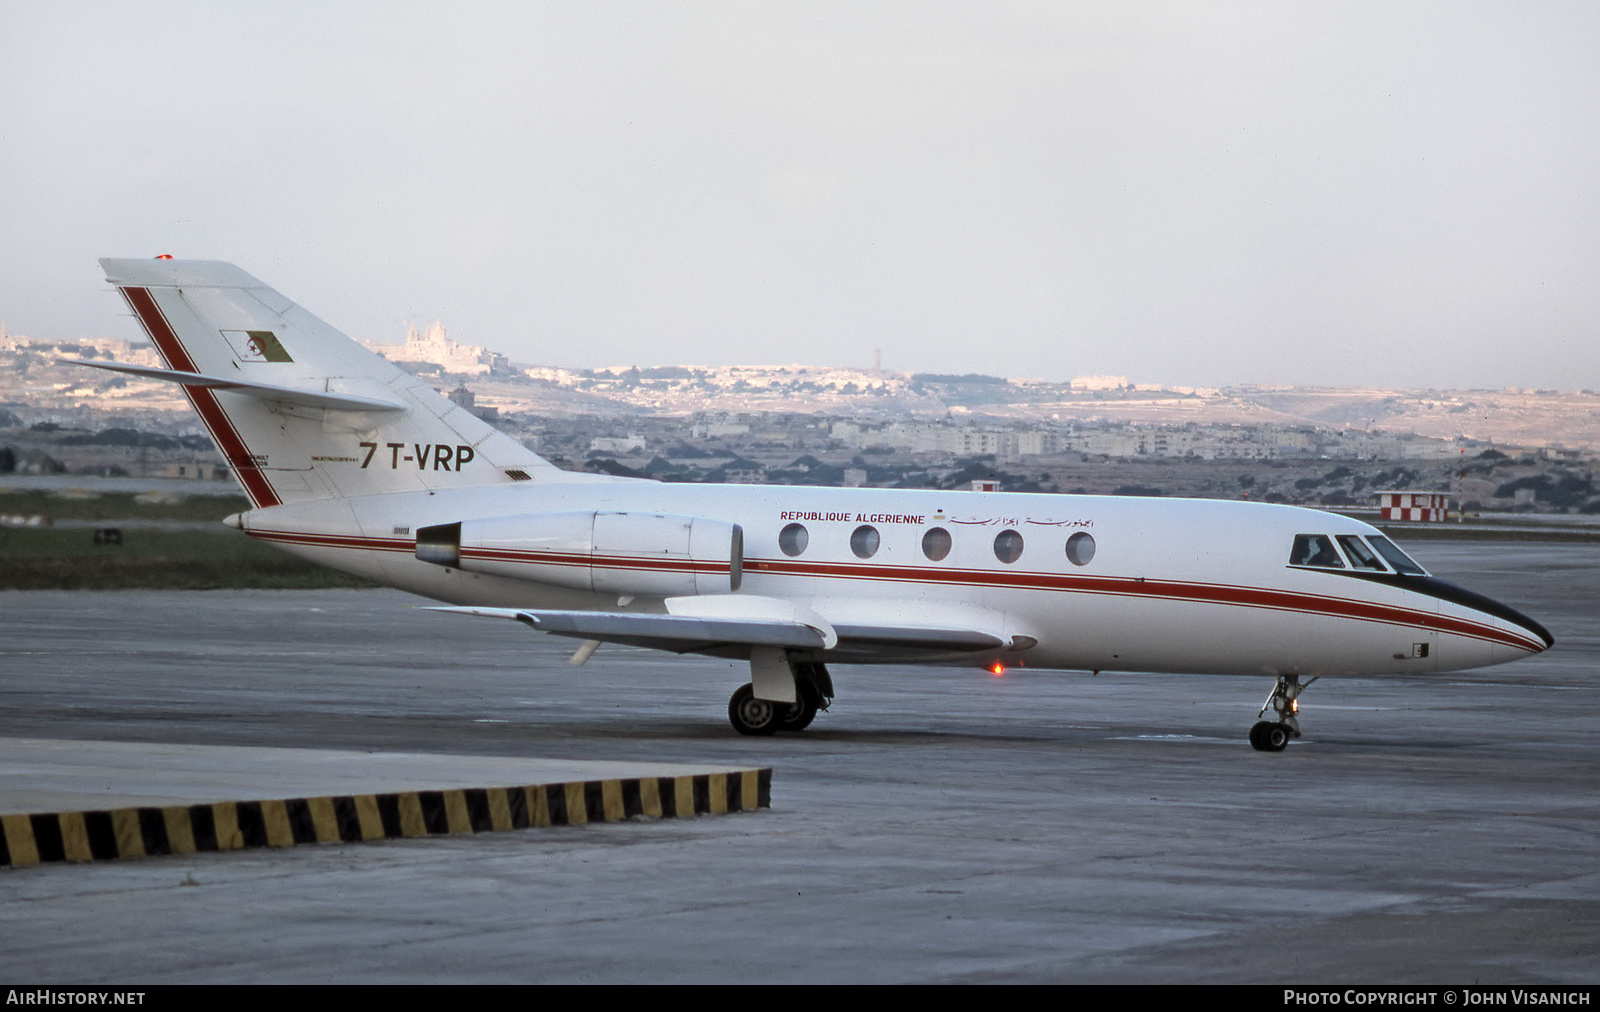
[1080, 549]
[936, 543]
[1008, 546]
[793, 539]
[864, 542]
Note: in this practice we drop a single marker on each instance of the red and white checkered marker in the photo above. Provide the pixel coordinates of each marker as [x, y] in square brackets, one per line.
[1427, 507]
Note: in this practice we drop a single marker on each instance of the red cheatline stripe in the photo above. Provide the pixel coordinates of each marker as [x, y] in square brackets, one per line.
[204, 401]
[653, 563]
[1200, 593]
[336, 541]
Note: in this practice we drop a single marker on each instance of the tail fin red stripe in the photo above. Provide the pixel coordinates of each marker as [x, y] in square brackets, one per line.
[205, 403]
[155, 324]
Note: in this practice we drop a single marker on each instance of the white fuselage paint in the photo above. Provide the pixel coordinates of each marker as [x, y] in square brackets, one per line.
[1175, 585]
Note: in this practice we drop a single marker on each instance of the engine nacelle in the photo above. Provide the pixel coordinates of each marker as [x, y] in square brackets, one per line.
[642, 554]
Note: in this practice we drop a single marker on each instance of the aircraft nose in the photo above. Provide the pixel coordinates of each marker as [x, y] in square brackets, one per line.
[1512, 616]
[1537, 629]
[1529, 626]
[1532, 637]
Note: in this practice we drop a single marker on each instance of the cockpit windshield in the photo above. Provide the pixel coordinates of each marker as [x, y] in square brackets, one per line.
[1361, 556]
[1399, 560]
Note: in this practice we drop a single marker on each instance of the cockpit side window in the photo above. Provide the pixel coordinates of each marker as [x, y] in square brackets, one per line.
[1361, 556]
[1315, 550]
[1399, 560]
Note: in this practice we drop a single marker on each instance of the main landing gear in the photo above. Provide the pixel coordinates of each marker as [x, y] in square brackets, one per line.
[813, 690]
[1273, 736]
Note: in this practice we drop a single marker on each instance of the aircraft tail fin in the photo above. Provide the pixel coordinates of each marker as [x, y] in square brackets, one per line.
[299, 410]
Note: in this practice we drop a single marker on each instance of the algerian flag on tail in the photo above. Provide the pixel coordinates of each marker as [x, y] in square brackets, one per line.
[256, 346]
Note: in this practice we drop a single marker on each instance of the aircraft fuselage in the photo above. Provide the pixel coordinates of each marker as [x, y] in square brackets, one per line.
[1173, 585]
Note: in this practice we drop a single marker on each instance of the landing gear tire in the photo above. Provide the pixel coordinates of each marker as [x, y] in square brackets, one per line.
[753, 716]
[1269, 736]
[796, 716]
[1273, 736]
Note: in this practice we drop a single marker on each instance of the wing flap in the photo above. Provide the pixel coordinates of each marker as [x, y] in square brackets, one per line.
[917, 638]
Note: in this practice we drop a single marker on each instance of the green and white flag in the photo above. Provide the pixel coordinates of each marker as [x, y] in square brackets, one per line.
[256, 346]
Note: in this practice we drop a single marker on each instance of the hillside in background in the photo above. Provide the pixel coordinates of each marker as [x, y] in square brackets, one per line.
[32, 378]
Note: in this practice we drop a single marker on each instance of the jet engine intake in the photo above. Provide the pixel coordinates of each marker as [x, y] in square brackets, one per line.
[638, 554]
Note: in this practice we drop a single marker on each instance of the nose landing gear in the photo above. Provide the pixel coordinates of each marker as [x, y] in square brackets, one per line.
[1273, 736]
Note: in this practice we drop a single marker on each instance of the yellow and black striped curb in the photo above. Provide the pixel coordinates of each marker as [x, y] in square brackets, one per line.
[238, 825]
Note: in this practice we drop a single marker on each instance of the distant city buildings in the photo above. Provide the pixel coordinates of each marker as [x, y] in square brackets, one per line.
[107, 348]
[430, 345]
[1099, 382]
[464, 398]
[1206, 442]
[632, 443]
[797, 424]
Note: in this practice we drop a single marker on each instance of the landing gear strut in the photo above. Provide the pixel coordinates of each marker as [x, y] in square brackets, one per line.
[813, 689]
[1273, 736]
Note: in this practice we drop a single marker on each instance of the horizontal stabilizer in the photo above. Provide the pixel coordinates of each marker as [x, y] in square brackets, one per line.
[260, 391]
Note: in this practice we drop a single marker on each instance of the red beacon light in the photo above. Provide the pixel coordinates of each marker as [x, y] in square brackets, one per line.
[997, 669]
[164, 256]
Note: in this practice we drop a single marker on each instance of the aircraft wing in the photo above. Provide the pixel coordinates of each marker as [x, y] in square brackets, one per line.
[679, 633]
[260, 391]
[712, 627]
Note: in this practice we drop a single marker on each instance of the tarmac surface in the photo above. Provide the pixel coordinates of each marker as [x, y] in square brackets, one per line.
[56, 775]
[936, 825]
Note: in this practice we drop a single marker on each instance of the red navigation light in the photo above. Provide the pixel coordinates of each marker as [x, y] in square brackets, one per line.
[164, 256]
[997, 669]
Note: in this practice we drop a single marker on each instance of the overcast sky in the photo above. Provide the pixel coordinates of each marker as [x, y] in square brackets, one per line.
[1189, 193]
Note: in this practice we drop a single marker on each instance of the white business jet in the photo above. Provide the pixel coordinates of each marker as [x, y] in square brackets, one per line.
[352, 463]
